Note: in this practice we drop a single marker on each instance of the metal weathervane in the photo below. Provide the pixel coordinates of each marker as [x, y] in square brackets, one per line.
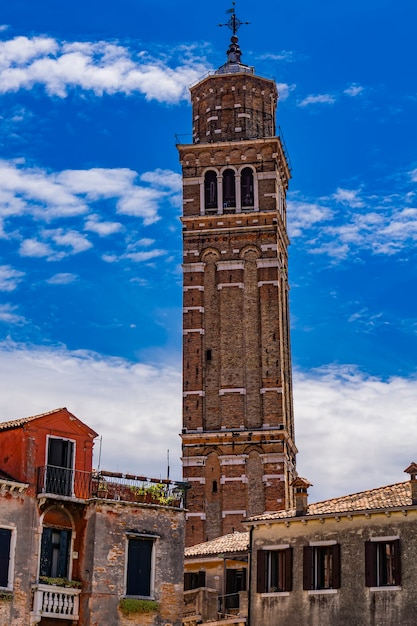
[234, 23]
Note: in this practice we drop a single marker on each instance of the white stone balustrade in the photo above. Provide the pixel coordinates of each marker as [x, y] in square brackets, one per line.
[56, 602]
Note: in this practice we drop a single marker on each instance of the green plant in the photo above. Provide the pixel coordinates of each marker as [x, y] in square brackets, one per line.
[6, 596]
[60, 582]
[156, 492]
[129, 606]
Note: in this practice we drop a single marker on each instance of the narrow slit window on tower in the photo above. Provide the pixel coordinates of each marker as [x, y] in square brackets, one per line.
[208, 354]
[246, 184]
[214, 486]
[229, 189]
[210, 191]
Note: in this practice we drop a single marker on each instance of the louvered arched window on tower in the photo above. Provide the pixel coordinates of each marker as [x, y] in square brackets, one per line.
[210, 190]
[229, 189]
[246, 186]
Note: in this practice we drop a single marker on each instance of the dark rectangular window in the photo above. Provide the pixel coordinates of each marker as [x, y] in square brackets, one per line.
[60, 466]
[321, 567]
[139, 567]
[274, 570]
[194, 580]
[382, 563]
[5, 541]
[55, 548]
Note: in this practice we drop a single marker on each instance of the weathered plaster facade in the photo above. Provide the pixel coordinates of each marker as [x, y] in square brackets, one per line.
[75, 543]
[388, 518]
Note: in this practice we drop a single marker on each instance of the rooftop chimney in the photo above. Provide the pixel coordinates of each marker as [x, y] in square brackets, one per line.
[300, 486]
[412, 470]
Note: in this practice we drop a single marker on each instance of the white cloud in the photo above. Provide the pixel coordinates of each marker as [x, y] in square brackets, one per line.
[8, 314]
[47, 196]
[63, 278]
[413, 175]
[342, 416]
[284, 55]
[284, 90]
[100, 67]
[9, 278]
[115, 397]
[104, 229]
[352, 219]
[163, 178]
[353, 431]
[141, 256]
[353, 90]
[68, 239]
[324, 98]
[65, 243]
[349, 197]
[35, 248]
[303, 216]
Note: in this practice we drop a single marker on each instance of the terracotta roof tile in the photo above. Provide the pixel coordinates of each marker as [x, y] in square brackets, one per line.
[387, 497]
[235, 542]
[24, 420]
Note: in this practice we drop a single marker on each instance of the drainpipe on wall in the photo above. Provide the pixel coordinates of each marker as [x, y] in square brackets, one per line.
[250, 552]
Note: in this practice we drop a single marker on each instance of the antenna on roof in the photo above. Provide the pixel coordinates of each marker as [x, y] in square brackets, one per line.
[99, 452]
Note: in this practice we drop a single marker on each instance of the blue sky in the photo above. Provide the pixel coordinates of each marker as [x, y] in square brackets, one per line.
[92, 97]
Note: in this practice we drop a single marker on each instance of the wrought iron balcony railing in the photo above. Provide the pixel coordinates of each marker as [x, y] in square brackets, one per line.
[71, 483]
[63, 481]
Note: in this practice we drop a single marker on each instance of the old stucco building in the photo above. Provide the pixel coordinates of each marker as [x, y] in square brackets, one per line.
[348, 560]
[238, 431]
[79, 546]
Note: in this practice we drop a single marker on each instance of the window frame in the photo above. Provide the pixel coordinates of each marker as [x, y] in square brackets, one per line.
[66, 483]
[12, 551]
[194, 580]
[141, 537]
[214, 204]
[375, 569]
[49, 529]
[245, 206]
[283, 570]
[317, 557]
[229, 202]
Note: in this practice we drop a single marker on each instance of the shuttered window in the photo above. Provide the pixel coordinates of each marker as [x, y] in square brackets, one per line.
[210, 190]
[55, 546]
[321, 567]
[5, 541]
[194, 580]
[382, 563]
[274, 570]
[139, 574]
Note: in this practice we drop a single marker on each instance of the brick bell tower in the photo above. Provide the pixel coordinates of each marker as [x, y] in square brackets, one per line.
[238, 427]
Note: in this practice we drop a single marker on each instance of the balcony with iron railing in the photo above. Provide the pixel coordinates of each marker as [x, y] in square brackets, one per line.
[66, 483]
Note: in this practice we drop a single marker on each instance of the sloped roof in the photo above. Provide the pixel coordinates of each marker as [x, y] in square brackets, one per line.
[388, 497]
[227, 544]
[25, 420]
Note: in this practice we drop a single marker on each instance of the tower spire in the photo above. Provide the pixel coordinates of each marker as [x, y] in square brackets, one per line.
[234, 52]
